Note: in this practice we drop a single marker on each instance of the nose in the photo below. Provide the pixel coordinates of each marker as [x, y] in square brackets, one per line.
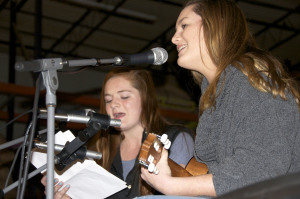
[112, 106]
[175, 38]
[114, 103]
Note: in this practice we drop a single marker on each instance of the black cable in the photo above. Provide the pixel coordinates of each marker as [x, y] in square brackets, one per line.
[15, 160]
[31, 137]
[30, 175]
[12, 166]
[13, 120]
[19, 148]
[23, 147]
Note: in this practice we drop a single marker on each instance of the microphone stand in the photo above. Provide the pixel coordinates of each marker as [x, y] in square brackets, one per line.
[48, 68]
[51, 85]
[32, 174]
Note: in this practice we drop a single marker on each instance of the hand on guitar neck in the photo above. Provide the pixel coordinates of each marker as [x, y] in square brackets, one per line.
[151, 151]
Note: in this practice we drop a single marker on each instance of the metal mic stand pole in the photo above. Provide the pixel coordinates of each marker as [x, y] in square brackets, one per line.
[51, 85]
[32, 174]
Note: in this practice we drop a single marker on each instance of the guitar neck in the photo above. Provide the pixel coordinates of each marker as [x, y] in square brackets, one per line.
[177, 170]
[151, 152]
[194, 168]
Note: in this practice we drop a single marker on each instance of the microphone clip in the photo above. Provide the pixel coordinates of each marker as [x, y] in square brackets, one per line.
[75, 150]
[64, 158]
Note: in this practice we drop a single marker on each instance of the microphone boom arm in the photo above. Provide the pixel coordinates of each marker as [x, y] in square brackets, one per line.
[155, 56]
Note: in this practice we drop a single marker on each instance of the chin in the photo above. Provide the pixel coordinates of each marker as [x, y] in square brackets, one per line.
[182, 65]
[181, 62]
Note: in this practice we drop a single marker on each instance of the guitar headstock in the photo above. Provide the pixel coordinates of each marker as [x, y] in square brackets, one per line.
[151, 150]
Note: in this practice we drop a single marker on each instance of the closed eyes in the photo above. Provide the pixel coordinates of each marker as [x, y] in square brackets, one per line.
[107, 101]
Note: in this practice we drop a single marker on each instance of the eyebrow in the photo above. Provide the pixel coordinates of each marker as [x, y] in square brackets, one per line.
[121, 91]
[179, 22]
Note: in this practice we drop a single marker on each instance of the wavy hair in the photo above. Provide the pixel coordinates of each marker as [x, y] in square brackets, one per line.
[229, 41]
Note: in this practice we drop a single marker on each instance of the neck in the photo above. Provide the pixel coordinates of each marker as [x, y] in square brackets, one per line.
[134, 134]
[209, 70]
[131, 144]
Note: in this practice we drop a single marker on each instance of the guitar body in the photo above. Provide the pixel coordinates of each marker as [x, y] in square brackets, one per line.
[151, 153]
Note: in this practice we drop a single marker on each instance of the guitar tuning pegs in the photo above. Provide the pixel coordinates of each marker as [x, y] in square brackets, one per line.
[167, 145]
[152, 168]
[164, 139]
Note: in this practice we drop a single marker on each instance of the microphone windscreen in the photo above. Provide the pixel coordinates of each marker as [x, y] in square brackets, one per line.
[160, 55]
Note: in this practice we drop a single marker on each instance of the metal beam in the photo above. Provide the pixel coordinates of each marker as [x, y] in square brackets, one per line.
[108, 9]
[3, 4]
[11, 69]
[274, 23]
[267, 5]
[283, 41]
[96, 27]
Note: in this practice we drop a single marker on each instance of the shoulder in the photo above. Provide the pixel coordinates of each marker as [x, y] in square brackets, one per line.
[235, 79]
[174, 130]
[237, 88]
[239, 93]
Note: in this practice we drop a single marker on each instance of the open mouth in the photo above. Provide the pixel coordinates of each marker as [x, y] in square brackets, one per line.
[180, 48]
[118, 115]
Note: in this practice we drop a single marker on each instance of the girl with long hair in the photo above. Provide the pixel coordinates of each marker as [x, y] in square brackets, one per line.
[249, 125]
[128, 94]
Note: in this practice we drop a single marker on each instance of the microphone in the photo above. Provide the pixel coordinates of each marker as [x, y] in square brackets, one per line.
[58, 148]
[89, 115]
[155, 56]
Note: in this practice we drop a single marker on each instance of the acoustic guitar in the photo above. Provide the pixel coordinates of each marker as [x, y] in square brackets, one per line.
[150, 154]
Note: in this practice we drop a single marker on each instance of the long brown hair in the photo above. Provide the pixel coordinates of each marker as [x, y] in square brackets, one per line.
[229, 41]
[107, 142]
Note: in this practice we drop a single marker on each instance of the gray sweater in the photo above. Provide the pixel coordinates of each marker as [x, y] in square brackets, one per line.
[249, 137]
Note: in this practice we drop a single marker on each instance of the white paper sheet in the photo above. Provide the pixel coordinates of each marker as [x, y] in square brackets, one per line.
[87, 179]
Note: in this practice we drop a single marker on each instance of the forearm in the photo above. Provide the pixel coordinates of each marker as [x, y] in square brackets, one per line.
[190, 186]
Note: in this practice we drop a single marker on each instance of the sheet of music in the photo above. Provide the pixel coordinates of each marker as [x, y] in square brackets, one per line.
[87, 179]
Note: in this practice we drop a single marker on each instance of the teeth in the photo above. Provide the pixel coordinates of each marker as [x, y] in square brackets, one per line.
[181, 47]
[117, 115]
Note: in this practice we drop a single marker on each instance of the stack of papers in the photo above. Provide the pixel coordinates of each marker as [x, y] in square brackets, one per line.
[87, 179]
